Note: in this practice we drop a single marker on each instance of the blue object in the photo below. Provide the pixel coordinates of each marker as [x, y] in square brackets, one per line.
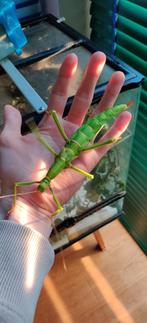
[10, 22]
[27, 9]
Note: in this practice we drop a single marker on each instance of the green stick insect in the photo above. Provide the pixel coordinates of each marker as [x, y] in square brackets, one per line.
[80, 141]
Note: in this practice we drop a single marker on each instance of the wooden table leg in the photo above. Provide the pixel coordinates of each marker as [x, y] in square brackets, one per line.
[99, 240]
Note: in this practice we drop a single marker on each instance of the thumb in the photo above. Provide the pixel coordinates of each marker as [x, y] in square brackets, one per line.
[12, 121]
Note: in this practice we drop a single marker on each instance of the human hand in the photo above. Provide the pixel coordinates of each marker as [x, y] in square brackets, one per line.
[23, 158]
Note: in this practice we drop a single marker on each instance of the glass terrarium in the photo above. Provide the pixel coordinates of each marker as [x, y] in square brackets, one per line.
[99, 201]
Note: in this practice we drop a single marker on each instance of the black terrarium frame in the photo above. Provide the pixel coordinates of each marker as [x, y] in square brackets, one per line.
[132, 77]
[132, 80]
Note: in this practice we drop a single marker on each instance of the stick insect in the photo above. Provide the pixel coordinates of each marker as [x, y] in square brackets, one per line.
[81, 140]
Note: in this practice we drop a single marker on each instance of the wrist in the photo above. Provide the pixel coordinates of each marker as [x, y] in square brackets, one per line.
[38, 219]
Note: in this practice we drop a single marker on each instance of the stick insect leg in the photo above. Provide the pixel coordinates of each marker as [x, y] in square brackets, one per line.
[17, 184]
[81, 171]
[55, 117]
[101, 144]
[59, 206]
[40, 138]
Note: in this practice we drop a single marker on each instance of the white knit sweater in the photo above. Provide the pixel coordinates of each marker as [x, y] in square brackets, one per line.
[25, 258]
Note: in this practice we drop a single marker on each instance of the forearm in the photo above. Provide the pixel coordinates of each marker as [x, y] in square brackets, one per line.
[25, 258]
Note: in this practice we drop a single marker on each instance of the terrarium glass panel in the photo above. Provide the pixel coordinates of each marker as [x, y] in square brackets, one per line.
[42, 74]
[110, 175]
[110, 178]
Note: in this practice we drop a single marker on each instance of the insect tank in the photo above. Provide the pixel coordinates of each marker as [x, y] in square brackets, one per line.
[99, 201]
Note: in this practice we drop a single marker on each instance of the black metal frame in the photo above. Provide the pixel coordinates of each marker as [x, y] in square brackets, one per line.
[133, 79]
[85, 234]
[114, 62]
[69, 222]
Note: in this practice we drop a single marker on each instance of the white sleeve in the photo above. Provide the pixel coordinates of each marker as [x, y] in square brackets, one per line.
[25, 258]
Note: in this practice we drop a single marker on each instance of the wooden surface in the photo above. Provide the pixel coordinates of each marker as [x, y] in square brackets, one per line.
[97, 287]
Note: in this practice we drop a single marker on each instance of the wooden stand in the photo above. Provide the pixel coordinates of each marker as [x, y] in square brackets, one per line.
[99, 240]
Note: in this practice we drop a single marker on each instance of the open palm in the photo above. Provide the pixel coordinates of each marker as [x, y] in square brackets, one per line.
[24, 158]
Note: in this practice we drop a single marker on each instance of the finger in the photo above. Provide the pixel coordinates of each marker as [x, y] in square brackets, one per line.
[85, 92]
[112, 91]
[12, 123]
[60, 90]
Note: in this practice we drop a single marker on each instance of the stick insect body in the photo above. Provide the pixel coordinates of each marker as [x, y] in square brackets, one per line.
[80, 141]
